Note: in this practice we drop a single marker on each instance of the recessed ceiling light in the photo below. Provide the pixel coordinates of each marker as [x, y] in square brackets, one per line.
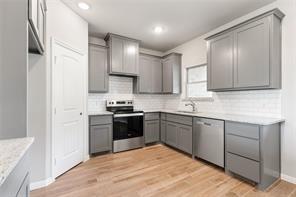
[83, 5]
[158, 30]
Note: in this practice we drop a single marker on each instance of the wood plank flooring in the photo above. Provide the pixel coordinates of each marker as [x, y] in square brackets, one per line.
[153, 171]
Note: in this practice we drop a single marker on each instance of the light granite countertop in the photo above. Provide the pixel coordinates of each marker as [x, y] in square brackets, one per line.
[11, 152]
[99, 113]
[228, 117]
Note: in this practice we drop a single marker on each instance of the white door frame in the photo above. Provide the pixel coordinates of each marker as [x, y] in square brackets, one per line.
[53, 43]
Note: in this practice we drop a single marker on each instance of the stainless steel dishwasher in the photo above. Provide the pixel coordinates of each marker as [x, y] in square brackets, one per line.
[208, 140]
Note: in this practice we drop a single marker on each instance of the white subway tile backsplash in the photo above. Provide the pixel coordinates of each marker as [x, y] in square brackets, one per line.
[260, 102]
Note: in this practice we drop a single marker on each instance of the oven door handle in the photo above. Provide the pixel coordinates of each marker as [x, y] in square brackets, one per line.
[127, 115]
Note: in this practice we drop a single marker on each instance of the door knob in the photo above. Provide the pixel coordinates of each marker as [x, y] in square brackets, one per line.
[80, 113]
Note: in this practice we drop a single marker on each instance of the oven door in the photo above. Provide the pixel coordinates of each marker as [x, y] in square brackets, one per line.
[127, 126]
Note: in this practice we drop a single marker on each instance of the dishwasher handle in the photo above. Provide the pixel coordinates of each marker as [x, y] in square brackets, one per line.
[203, 123]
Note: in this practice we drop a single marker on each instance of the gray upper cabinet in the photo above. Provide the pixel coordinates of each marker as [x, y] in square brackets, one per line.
[144, 80]
[123, 55]
[247, 56]
[150, 75]
[220, 71]
[171, 73]
[156, 75]
[37, 23]
[98, 74]
[251, 45]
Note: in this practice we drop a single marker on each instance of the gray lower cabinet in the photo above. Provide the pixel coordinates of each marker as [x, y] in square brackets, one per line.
[123, 55]
[184, 138]
[24, 191]
[253, 152]
[247, 56]
[152, 127]
[171, 74]
[163, 131]
[97, 73]
[100, 134]
[171, 134]
[152, 131]
[17, 183]
[177, 134]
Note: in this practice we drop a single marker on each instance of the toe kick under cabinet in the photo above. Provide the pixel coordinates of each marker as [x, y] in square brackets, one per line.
[253, 152]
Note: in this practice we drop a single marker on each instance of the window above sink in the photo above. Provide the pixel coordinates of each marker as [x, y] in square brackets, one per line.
[196, 83]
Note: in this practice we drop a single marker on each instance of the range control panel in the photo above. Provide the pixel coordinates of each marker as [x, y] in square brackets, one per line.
[121, 103]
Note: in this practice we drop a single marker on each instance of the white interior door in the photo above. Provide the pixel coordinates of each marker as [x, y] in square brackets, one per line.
[68, 98]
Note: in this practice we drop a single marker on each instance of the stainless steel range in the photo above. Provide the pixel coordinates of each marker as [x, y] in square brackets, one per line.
[127, 125]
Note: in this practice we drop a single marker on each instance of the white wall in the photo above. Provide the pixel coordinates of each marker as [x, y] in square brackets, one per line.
[276, 103]
[66, 26]
[289, 89]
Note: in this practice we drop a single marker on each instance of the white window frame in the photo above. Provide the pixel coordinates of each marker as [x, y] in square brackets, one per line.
[209, 98]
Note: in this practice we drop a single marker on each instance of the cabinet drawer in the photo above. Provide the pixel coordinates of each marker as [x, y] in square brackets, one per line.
[97, 120]
[244, 167]
[179, 119]
[151, 116]
[245, 147]
[242, 129]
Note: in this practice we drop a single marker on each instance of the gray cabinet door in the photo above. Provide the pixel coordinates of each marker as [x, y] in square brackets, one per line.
[251, 45]
[171, 134]
[151, 131]
[24, 190]
[37, 19]
[100, 138]
[98, 74]
[41, 22]
[167, 75]
[145, 75]
[116, 55]
[220, 62]
[184, 139]
[156, 75]
[131, 57]
[163, 131]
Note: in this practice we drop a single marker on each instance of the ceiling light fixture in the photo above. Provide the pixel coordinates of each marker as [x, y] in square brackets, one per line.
[83, 5]
[158, 30]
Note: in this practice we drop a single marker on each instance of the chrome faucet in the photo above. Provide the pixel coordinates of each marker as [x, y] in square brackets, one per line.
[193, 105]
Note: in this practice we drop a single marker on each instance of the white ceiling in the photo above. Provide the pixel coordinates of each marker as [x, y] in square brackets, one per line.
[182, 19]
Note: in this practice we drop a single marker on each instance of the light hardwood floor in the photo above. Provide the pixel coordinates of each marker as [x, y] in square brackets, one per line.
[152, 171]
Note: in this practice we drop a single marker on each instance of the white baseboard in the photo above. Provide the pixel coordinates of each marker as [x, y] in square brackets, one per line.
[288, 178]
[40, 184]
[86, 157]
